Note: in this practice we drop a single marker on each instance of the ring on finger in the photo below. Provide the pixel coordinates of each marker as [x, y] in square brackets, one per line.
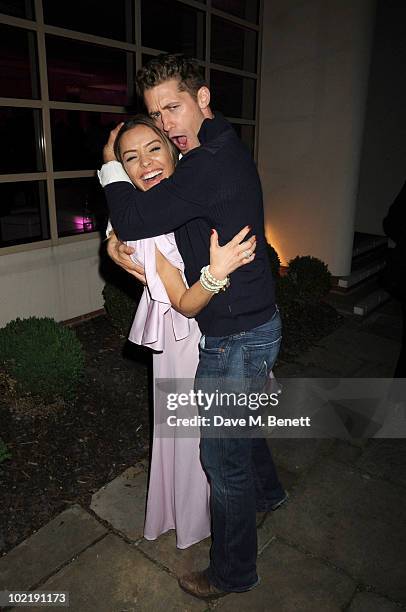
[247, 254]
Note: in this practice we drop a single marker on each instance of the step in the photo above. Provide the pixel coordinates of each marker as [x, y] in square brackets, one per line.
[372, 301]
[361, 274]
[367, 242]
[345, 301]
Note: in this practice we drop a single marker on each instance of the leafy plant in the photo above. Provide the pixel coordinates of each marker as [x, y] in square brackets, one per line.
[121, 301]
[4, 453]
[273, 260]
[45, 358]
[310, 279]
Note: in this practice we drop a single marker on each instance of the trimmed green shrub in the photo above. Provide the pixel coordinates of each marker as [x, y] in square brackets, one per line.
[310, 278]
[285, 291]
[273, 260]
[121, 302]
[45, 358]
[4, 454]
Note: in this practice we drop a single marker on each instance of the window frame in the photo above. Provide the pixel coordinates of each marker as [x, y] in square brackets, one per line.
[45, 105]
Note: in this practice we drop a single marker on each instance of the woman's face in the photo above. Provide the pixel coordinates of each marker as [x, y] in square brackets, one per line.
[146, 158]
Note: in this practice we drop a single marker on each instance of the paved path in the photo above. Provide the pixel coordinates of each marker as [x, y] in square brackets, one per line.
[338, 544]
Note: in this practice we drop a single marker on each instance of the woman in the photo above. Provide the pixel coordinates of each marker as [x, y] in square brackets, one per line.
[178, 494]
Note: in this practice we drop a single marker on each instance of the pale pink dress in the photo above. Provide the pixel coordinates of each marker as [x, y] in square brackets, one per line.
[178, 493]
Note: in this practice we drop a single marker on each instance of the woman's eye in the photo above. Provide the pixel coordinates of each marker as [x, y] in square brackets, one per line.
[130, 158]
[175, 106]
[157, 148]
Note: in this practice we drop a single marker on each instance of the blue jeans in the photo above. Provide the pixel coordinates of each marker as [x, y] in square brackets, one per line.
[241, 471]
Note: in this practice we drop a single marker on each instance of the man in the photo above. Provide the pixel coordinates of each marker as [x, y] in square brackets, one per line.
[215, 185]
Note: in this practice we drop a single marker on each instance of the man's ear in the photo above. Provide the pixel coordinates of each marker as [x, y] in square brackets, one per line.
[203, 98]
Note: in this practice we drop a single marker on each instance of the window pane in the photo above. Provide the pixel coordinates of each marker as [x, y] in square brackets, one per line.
[247, 135]
[80, 206]
[78, 138]
[23, 213]
[81, 72]
[232, 45]
[233, 95]
[18, 72]
[246, 9]
[17, 8]
[173, 27]
[21, 130]
[93, 17]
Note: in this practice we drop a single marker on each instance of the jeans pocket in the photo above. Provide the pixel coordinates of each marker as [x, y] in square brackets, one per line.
[258, 361]
[213, 344]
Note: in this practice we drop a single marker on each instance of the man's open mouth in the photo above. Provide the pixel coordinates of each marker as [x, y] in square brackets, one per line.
[151, 176]
[180, 141]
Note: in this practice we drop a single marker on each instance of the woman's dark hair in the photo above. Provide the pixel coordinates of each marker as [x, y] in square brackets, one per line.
[148, 122]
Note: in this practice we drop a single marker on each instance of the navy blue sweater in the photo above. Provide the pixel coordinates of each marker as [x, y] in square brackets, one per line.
[215, 185]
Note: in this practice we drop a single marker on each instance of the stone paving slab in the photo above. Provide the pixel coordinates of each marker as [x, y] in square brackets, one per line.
[291, 582]
[333, 361]
[122, 502]
[385, 459]
[346, 452]
[346, 351]
[296, 455]
[385, 321]
[40, 555]
[114, 576]
[195, 558]
[353, 520]
[164, 551]
[370, 602]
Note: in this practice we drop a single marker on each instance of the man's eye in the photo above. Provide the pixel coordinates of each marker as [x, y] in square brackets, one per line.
[174, 106]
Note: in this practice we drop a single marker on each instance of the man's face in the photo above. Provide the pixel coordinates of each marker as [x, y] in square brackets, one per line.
[177, 113]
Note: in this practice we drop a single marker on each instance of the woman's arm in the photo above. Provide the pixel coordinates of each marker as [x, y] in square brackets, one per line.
[223, 261]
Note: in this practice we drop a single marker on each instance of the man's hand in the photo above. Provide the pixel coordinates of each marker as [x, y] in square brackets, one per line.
[108, 150]
[120, 254]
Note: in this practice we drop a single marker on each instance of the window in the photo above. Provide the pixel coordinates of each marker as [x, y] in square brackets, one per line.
[79, 72]
[92, 17]
[23, 213]
[19, 75]
[173, 27]
[78, 137]
[247, 134]
[246, 9]
[18, 8]
[233, 95]
[232, 45]
[21, 131]
[80, 206]
[67, 78]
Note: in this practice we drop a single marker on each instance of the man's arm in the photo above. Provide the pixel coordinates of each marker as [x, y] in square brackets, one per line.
[175, 201]
[136, 214]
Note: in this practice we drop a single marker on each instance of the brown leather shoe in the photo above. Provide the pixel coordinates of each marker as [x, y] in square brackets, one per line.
[198, 585]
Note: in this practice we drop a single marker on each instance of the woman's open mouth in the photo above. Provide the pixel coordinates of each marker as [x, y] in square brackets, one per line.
[153, 177]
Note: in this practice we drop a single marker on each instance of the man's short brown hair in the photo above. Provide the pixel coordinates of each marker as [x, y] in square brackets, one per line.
[171, 66]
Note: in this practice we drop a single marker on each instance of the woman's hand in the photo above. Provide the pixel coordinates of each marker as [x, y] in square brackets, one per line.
[231, 256]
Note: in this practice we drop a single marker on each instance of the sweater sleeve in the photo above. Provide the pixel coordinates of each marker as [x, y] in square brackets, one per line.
[137, 214]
